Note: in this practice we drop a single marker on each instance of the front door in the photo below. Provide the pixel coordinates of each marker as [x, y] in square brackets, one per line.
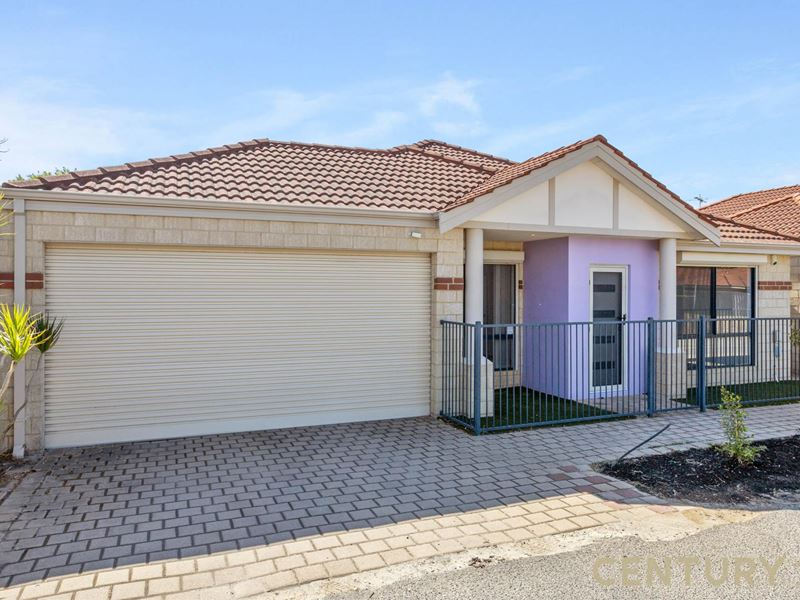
[608, 310]
[499, 308]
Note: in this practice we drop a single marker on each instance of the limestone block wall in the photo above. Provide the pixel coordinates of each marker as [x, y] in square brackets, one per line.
[65, 226]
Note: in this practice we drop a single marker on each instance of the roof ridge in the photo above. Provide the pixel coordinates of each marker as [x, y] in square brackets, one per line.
[175, 159]
[775, 189]
[450, 159]
[756, 227]
[745, 211]
[429, 141]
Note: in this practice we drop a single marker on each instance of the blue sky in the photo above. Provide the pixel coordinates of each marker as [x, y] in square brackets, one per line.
[704, 95]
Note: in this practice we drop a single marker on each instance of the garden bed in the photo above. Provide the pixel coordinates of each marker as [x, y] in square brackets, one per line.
[707, 477]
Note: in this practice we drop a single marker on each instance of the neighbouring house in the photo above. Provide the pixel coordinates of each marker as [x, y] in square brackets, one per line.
[776, 209]
[271, 284]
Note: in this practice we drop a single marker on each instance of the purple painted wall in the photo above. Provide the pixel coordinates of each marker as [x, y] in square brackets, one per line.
[556, 360]
[546, 276]
[641, 258]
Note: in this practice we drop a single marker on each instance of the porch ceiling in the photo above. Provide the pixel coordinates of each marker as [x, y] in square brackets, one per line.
[506, 235]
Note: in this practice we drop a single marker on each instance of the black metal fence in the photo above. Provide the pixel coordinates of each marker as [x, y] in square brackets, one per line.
[506, 376]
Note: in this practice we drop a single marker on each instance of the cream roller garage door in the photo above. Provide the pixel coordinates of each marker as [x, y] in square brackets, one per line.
[162, 342]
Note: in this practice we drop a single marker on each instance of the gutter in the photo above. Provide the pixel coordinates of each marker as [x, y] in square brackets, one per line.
[92, 202]
[780, 249]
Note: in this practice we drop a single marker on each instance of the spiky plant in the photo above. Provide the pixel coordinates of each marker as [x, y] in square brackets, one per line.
[45, 331]
[48, 329]
[5, 215]
[18, 336]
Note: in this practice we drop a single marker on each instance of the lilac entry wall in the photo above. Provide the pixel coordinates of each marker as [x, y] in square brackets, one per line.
[556, 359]
[641, 258]
[544, 349]
[546, 276]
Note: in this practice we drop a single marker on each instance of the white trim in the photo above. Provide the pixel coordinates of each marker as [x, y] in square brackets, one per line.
[503, 257]
[639, 181]
[20, 270]
[461, 214]
[623, 270]
[782, 249]
[61, 201]
[567, 230]
[595, 150]
[687, 258]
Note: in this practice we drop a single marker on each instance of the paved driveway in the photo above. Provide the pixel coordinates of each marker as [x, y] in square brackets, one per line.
[108, 507]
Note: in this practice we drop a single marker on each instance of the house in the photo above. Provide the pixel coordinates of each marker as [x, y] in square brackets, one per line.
[273, 284]
[777, 209]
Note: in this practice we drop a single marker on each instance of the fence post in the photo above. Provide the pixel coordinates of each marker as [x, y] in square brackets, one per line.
[701, 363]
[476, 376]
[651, 367]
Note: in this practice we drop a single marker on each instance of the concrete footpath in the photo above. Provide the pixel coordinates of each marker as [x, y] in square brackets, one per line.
[729, 554]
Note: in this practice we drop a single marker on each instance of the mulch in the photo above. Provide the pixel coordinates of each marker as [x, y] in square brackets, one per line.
[707, 476]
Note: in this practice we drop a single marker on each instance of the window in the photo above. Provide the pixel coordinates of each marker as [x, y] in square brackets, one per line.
[726, 296]
[499, 307]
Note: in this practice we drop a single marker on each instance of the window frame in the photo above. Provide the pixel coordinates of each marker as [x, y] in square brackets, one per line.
[712, 329]
[713, 293]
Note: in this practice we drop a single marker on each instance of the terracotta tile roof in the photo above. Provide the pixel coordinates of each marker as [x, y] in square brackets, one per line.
[736, 232]
[271, 172]
[776, 210]
[729, 207]
[467, 155]
[427, 177]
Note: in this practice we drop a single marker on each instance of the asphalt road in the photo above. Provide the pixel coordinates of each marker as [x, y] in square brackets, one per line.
[755, 559]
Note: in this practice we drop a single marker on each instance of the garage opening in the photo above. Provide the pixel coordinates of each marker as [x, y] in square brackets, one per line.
[165, 342]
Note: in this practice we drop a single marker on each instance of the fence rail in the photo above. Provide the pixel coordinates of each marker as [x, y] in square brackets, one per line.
[505, 376]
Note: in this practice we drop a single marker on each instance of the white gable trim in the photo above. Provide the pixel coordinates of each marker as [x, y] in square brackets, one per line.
[595, 150]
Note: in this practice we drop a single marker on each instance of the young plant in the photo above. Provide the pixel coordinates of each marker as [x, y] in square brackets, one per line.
[46, 331]
[18, 336]
[738, 445]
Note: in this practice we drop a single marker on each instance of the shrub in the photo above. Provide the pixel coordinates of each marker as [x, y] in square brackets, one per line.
[21, 332]
[738, 445]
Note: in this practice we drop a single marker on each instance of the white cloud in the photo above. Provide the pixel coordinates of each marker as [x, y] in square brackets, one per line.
[272, 111]
[45, 130]
[54, 123]
[470, 128]
[572, 74]
[369, 114]
[381, 126]
[449, 92]
[550, 134]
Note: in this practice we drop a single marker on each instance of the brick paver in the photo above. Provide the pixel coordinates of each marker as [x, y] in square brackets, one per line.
[242, 514]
